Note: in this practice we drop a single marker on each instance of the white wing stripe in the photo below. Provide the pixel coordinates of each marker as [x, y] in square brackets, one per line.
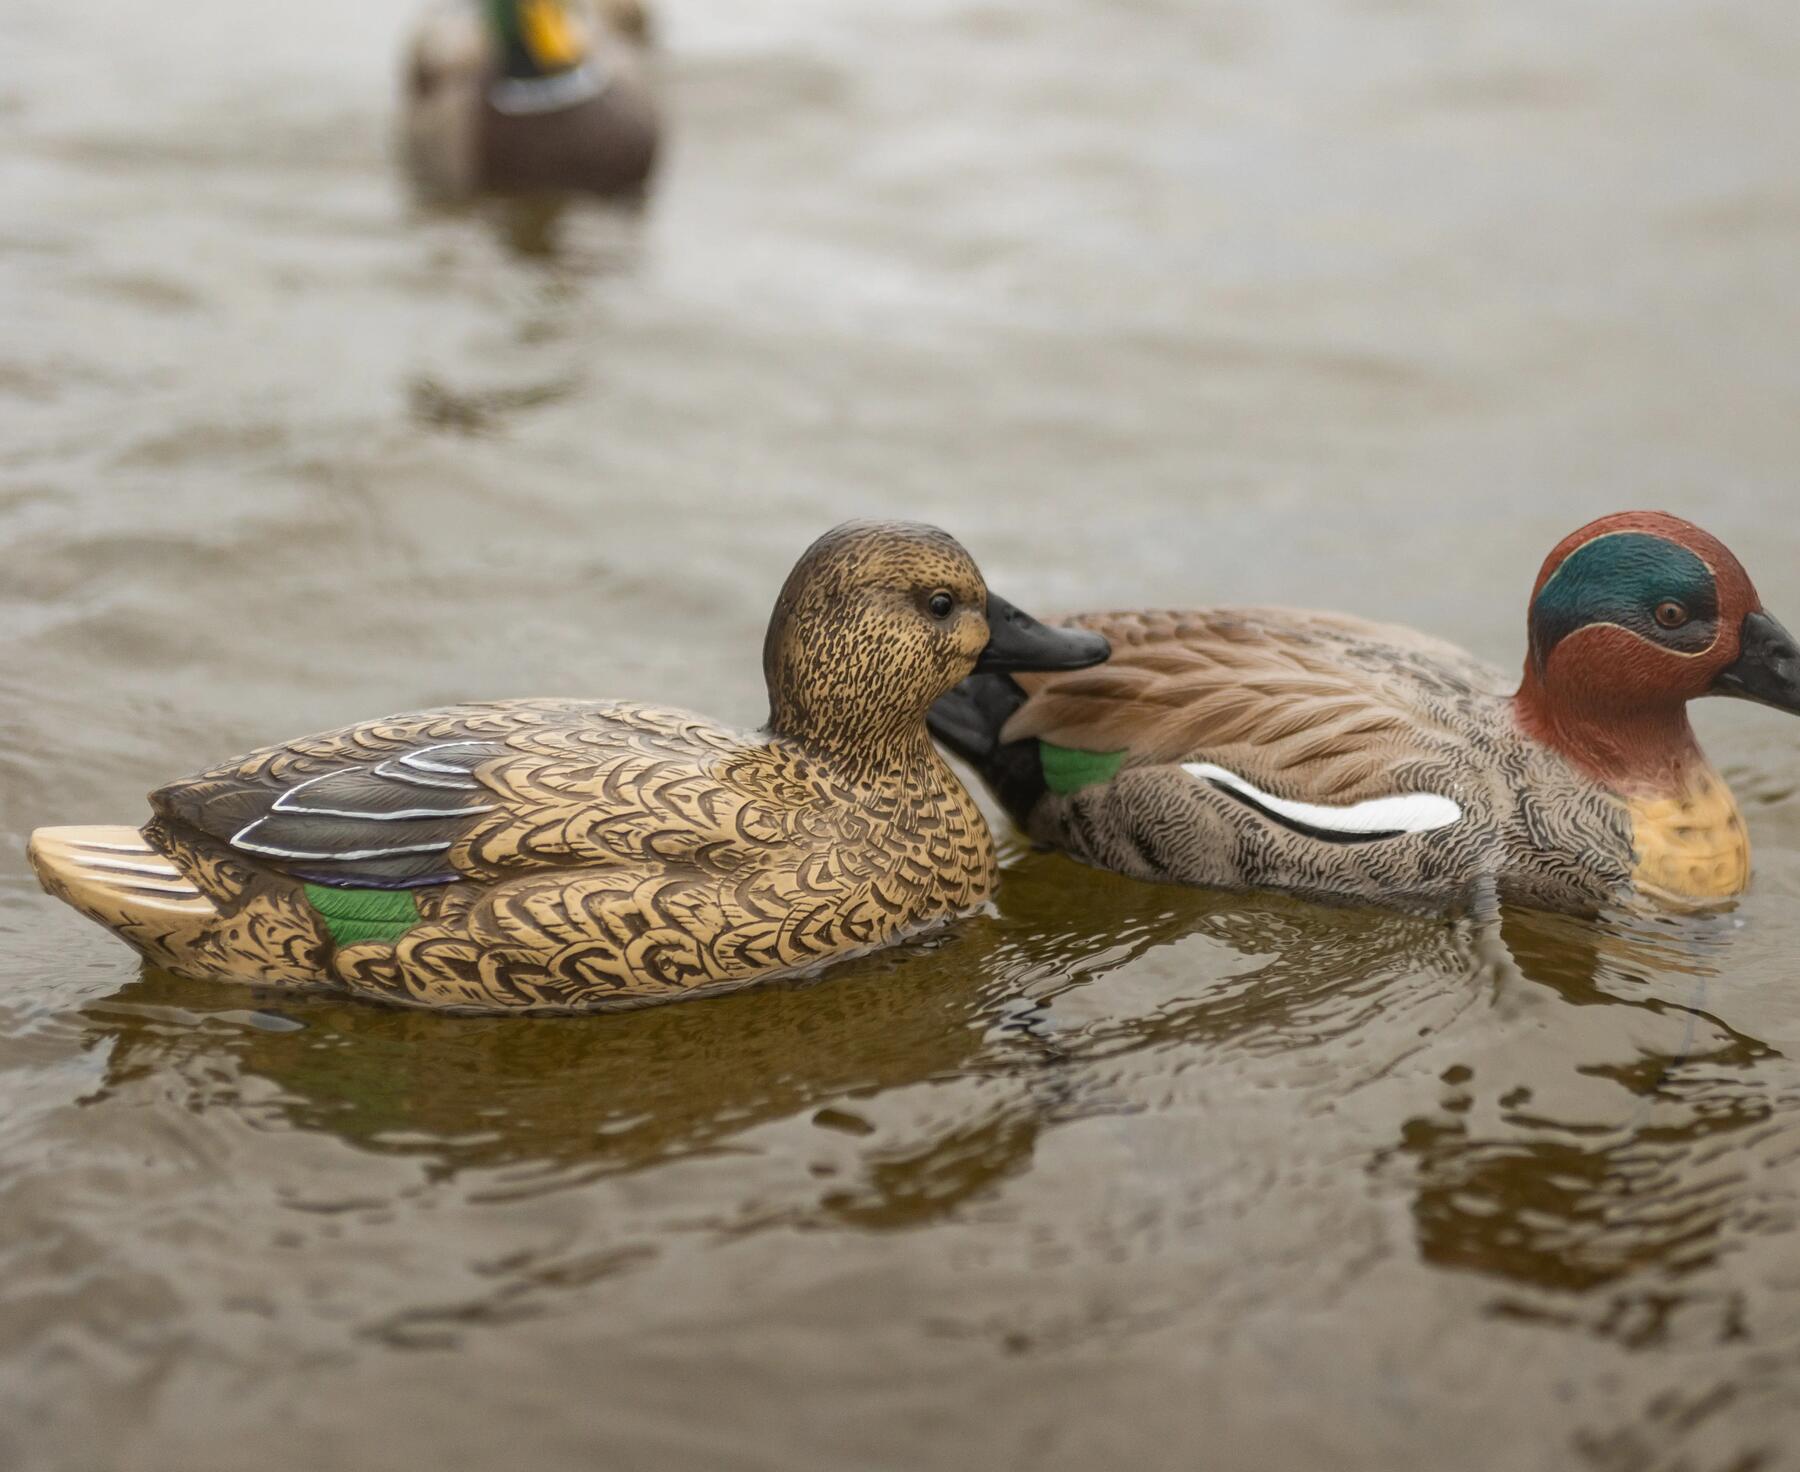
[282, 807]
[242, 841]
[283, 804]
[1411, 812]
[416, 759]
[417, 777]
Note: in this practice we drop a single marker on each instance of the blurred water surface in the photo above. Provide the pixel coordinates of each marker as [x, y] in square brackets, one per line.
[1151, 301]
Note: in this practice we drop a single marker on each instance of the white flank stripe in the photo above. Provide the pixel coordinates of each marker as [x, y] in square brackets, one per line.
[143, 849]
[1412, 812]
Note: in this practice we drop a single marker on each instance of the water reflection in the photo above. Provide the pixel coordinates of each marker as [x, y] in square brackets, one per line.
[999, 1004]
[614, 1093]
[593, 237]
[1576, 1159]
[1550, 1105]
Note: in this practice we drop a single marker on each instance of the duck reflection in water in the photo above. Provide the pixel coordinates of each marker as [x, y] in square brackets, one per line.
[1590, 1158]
[932, 1072]
[544, 1099]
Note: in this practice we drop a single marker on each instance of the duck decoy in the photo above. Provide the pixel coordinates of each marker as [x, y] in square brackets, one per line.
[528, 97]
[1266, 748]
[579, 855]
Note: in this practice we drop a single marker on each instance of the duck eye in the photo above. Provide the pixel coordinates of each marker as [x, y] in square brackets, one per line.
[940, 605]
[1670, 614]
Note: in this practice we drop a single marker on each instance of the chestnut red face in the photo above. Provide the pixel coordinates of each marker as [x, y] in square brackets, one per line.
[1644, 609]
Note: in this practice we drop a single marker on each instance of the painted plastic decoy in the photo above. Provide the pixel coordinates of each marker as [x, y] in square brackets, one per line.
[576, 855]
[1258, 748]
[529, 97]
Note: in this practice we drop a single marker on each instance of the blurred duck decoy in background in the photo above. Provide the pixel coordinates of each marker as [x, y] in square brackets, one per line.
[529, 97]
[1326, 756]
[575, 855]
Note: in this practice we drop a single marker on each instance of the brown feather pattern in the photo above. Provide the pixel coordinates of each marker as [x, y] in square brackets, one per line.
[589, 855]
[1324, 709]
[1316, 707]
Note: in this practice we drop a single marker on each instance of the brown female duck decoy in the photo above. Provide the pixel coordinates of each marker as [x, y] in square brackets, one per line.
[529, 97]
[576, 855]
[1315, 753]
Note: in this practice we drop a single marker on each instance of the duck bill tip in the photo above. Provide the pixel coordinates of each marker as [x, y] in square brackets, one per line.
[1767, 669]
[1018, 643]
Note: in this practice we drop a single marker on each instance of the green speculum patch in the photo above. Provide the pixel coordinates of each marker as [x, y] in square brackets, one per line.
[1068, 770]
[364, 914]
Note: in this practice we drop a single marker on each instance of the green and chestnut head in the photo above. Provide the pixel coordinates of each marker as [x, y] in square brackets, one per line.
[1640, 612]
[877, 620]
[537, 38]
[540, 38]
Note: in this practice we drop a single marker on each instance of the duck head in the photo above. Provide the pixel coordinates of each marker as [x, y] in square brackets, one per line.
[879, 619]
[1632, 617]
[537, 38]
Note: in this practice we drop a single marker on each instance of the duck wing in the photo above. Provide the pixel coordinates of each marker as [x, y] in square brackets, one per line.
[477, 792]
[1319, 707]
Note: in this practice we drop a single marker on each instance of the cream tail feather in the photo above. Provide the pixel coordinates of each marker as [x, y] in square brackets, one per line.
[113, 876]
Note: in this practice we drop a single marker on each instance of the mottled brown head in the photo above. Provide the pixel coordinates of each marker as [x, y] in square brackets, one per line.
[879, 619]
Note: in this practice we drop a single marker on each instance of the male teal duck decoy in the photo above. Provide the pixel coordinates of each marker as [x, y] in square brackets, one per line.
[577, 855]
[1319, 754]
[529, 97]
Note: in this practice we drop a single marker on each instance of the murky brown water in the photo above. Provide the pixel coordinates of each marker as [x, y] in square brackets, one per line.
[1356, 305]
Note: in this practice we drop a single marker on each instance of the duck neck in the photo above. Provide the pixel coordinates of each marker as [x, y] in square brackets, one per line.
[1636, 750]
[536, 38]
[840, 735]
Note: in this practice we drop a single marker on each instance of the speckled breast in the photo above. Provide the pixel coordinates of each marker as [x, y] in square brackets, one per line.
[1692, 845]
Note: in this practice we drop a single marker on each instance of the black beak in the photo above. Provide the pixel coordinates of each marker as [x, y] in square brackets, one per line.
[1017, 641]
[1767, 668]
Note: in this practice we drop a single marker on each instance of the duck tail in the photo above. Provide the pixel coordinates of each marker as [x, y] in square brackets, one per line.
[114, 877]
[969, 720]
